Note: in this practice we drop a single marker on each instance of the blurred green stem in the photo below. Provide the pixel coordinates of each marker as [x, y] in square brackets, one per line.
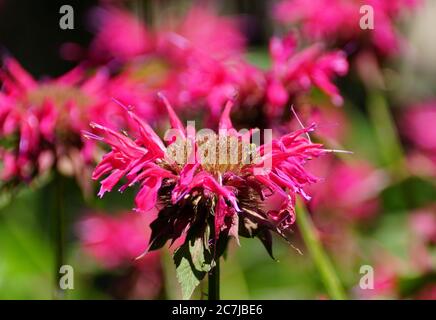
[214, 281]
[387, 136]
[319, 256]
[214, 274]
[58, 227]
[172, 290]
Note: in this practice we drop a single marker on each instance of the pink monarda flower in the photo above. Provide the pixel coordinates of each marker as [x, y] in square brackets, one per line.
[208, 82]
[354, 186]
[217, 36]
[196, 59]
[422, 223]
[333, 125]
[417, 127]
[337, 21]
[194, 187]
[120, 36]
[293, 72]
[40, 122]
[115, 242]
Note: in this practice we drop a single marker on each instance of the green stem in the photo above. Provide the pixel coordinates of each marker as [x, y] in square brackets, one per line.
[214, 281]
[319, 256]
[58, 235]
[386, 132]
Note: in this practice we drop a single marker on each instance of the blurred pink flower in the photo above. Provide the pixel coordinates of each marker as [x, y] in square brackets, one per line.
[423, 223]
[202, 28]
[120, 35]
[354, 188]
[117, 242]
[421, 163]
[293, 72]
[123, 36]
[423, 227]
[41, 121]
[332, 123]
[231, 189]
[338, 21]
[209, 82]
[204, 51]
[178, 57]
[201, 75]
[418, 125]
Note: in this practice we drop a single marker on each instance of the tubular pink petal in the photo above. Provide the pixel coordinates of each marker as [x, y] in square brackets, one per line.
[21, 75]
[98, 81]
[148, 136]
[108, 183]
[146, 199]
[225, 121]
[174, 119]
[90, 135]
[120, 142]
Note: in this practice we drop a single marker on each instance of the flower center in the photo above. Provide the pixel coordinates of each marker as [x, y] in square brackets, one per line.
[217, 154]
[58, 94]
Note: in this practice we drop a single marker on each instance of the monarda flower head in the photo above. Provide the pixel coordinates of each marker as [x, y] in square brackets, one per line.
[114, 241]
[208, 185]
[122, 36]
[41, 122]
[338, 21]
[294, 72]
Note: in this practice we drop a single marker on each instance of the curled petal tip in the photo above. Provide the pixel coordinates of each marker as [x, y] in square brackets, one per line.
[142, 255]
[338, 151]
[89, 135]
[234, 95]
[225, 121]
[162, 96]
[174, 119]
[118, 102]
[164, 99]
[95, 125]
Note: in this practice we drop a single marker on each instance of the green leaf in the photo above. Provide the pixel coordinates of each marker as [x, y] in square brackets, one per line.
[185, 273]
[266, 238]
[201, 258]
[192, 261]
